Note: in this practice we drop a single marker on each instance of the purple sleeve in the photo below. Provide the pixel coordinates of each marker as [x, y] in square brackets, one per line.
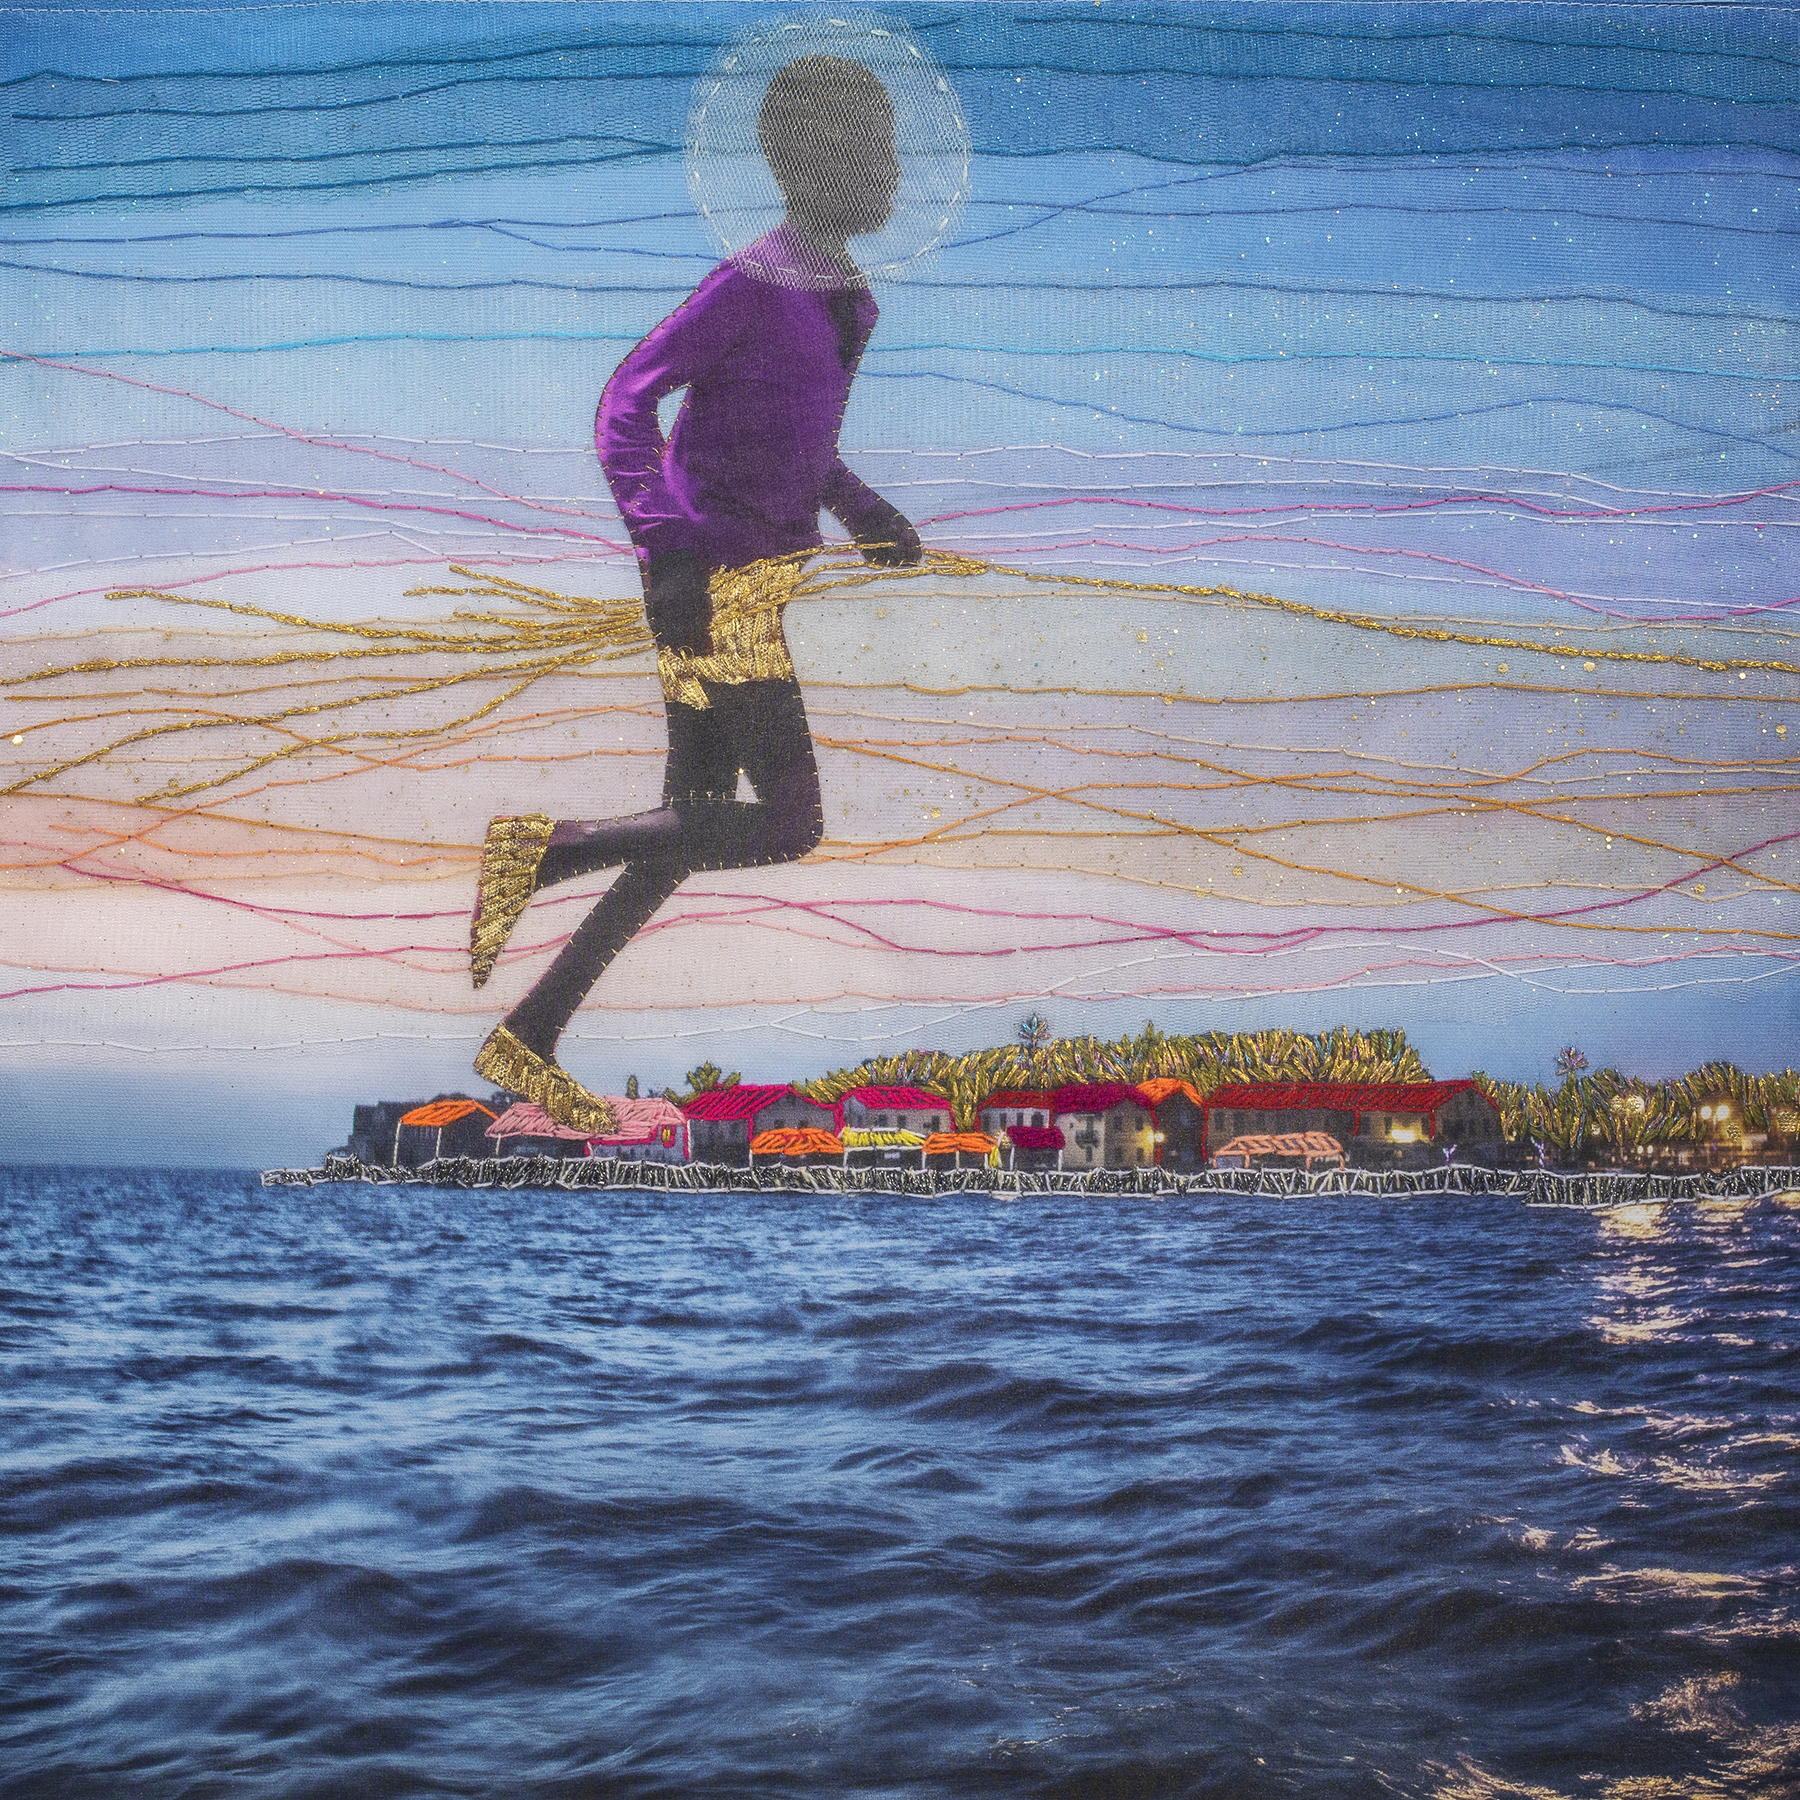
[691, 341]
[849, 499]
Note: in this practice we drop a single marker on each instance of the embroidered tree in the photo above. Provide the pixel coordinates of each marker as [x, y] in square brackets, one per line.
[1627, 1114]
[1509, 1097]
[705, 1079]
[1035, 1052]
[1719, 1100]
[1558, 1118]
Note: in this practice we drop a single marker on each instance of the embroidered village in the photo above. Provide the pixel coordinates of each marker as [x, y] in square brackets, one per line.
[1150, 1103]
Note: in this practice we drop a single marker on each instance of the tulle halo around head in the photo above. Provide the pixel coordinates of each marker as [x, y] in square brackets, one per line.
[803, 103]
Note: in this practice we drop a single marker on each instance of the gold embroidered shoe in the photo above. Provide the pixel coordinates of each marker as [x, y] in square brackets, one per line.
[509, 1064]
[509, 866]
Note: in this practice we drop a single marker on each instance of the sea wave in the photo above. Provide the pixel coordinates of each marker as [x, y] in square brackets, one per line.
[413, 1491]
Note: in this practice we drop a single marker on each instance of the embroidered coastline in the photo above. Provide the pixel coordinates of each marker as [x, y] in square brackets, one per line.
[1340, 1112]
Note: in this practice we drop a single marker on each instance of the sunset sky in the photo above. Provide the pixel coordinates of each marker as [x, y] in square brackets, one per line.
[1456, 343]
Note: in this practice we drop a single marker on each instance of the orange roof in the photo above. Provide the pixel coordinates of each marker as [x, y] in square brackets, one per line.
[1160, 1087]
[1285, 1143]
[971, 1143]
[796, 1141]
[444, 1112]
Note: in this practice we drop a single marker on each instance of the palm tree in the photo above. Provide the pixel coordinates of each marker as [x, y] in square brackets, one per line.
[1509, 1097]
[1034, 1048]
[1558, 1119]
[1626, 1114]
[702, 1081]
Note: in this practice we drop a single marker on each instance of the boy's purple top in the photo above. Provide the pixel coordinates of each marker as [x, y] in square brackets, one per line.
[753, 455]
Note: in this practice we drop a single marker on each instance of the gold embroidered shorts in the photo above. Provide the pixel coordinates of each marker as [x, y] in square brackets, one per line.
[747, 644]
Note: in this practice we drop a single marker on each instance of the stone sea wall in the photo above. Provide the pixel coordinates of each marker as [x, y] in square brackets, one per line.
[1535, 1187]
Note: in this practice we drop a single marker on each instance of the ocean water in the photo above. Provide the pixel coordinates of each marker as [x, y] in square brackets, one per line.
[393, 1492]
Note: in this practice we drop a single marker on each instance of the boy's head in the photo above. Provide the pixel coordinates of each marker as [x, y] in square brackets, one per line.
[827, 129]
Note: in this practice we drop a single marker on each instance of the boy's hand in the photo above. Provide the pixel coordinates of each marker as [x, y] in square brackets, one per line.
[886, 538]
[676, 602]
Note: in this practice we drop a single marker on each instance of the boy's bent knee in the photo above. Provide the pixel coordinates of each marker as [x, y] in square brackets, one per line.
[798, 837]
[810, 836]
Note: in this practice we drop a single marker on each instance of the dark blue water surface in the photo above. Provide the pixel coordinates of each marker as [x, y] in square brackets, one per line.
[379, 1492]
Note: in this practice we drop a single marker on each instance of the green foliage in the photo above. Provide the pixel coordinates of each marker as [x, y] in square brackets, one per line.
[1588, 1116]
[1509, 1097]
[702, 1081]
[908, 1068]
[1629, 1115]
[1207, 1061]
[631, 1087]
[1614, 1117]
[1558, 1118]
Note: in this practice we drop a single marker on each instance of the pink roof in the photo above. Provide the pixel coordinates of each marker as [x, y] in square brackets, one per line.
[1020, 1099]
[523, 1119]
[744, 1101]
[897, 1099]
[640, 1120]
[1101, 1096]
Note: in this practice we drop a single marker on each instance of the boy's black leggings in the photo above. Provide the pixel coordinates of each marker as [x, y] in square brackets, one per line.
[756, 726]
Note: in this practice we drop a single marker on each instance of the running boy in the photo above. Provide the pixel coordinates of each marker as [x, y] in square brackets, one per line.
[723, 516]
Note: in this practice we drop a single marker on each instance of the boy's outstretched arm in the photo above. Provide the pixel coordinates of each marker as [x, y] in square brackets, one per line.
[883, 533]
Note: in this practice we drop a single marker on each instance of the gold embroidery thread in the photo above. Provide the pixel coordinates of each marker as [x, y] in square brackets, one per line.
[747, 639]
[510, 1065]
[509, 867]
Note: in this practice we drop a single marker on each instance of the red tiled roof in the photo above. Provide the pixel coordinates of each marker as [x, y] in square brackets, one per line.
[1342, 1096]
[1020, 1099]
[1101, 1096]
[901, 1099]
[1036, 1137]
[744, 1101]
